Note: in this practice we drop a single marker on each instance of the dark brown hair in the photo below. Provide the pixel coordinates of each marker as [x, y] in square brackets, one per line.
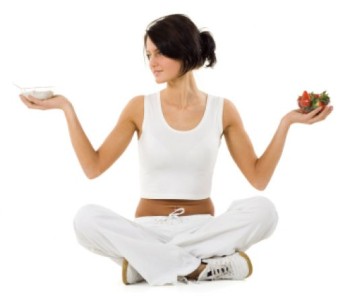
[177, 37]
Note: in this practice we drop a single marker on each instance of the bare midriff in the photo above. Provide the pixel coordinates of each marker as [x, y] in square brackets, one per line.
[164, 207]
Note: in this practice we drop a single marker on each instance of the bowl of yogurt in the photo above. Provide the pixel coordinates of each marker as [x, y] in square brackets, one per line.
[39, 92]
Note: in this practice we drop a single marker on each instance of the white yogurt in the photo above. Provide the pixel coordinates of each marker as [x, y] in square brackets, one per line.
[39, 94]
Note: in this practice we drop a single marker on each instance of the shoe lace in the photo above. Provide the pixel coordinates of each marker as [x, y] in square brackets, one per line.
[219, 269]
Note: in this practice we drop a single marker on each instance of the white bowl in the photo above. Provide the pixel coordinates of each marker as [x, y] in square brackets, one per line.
[39, 94]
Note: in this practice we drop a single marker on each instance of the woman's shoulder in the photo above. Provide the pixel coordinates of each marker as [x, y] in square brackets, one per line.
[134, 108]
[231, 115]
[228, 105]
[138, 101]
[224, 100]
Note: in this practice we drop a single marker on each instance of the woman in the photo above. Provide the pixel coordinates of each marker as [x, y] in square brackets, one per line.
[175, 234]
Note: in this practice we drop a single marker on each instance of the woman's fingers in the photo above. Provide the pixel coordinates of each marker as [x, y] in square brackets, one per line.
[320, 114]
[34, 103]
[316, 115]
[30, 102]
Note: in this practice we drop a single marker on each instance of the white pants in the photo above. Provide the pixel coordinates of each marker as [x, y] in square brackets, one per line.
[163, 248]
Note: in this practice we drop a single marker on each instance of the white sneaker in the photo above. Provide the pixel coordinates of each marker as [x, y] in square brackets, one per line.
[233, 267]
[129, 274]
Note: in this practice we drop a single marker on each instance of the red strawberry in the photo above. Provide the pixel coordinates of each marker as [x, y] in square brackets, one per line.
[304, 100]
[310, 101]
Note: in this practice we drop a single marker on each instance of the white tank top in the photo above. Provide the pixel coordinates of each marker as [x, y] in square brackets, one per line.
[178, 164]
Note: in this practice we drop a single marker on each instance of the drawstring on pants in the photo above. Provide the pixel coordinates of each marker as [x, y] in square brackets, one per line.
[177, 212]
[172, 217]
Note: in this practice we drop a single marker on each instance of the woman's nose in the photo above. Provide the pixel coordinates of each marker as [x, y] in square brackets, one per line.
[152, 61]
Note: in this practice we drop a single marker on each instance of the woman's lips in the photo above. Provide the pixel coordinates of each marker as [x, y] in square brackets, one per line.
[156, 72]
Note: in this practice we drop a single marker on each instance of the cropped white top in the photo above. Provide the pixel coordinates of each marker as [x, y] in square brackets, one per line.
[178, 164]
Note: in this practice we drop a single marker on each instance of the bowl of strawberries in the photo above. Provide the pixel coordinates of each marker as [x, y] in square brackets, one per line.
[310, 101]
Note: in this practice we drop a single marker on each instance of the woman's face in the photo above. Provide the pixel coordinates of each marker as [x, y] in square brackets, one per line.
[163, 68]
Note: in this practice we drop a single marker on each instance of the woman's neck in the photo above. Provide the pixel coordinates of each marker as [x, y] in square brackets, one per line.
[182, 91]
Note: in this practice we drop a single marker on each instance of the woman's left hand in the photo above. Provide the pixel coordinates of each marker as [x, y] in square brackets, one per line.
[317, 115]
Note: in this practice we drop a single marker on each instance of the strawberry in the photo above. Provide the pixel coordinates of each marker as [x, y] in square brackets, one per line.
[310, 101]
[304, 100]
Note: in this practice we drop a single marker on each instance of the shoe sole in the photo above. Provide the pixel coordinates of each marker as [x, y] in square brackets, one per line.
[126, 265]
[124, 271]
[250, 265]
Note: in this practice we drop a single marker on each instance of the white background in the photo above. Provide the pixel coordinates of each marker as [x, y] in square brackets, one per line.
[92, 52]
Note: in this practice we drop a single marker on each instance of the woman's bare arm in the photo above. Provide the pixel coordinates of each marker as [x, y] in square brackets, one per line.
[259, 170]
[95, 162]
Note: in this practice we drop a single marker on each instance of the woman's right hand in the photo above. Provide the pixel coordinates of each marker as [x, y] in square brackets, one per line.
[56, 102]
[86, 154]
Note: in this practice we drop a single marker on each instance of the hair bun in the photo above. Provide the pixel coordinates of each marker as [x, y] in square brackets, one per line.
[208, 47]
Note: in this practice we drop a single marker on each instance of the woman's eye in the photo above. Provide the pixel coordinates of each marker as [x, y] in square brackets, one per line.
[155, 54]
